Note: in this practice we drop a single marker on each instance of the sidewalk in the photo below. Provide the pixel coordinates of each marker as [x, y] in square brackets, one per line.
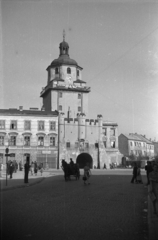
[18, 179]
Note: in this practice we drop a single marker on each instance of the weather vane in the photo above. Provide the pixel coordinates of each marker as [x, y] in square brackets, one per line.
[64, 35]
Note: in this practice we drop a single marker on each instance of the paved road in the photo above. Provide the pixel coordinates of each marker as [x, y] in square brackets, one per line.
[109, 208]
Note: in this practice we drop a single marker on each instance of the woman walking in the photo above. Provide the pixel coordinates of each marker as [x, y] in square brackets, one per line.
[87, 173]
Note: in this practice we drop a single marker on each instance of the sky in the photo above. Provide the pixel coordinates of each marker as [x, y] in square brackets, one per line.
[116, 43]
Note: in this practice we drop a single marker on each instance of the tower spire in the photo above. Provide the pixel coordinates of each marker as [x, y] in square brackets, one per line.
[64, 35]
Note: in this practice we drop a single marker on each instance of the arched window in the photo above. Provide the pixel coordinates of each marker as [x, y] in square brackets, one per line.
[26, 140]
[40, 141]
[78, 73]
[69, 70]
[56, 70]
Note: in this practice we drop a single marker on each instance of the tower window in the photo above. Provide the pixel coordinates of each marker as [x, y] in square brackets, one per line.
[79, 109]
[60, 94]
[78, 73]
[79, 95]
[56, 70]
[69, 70]
[60, 108]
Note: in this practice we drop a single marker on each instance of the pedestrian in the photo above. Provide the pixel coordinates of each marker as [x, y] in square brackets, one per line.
[35, 168]
[148, 169]
[20, 166]
[87, 173]
[11, 169]
[139, 176]
[26, 170]
[134, 174]
[32, 168]
[104, 167]
[153, 177]
[41, 168]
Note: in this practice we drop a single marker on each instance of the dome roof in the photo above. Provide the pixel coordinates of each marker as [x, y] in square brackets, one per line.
[64, 44]
[63, 59]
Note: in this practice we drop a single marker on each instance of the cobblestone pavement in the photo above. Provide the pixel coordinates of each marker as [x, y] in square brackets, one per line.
[109, 208]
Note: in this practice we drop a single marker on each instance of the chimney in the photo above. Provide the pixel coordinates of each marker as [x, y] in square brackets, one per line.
[20, 108]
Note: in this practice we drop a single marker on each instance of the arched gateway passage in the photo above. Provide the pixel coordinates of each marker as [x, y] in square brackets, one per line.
[83, 158]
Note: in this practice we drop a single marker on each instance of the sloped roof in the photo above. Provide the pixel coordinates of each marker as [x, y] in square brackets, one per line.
[79, 81]
[15, 111]
[137, 137]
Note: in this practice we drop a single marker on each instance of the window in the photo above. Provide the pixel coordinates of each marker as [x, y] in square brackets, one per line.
[27, 125]
[60, 108]
[86, 145]
[1, 140]
[68, 70]
[40, 141]
[68, 144]
[12, 141]
[104, 143]
[13, 125]
[52, 141]
[112, 131]
[112, 144]
[2, 124]
[79, 95]
[105, 131]
[41, 125]
[76, 144]
[60, 94]
[131, 143]
[135, 143]
[27, 141]
[56, 70]
[79, 109]
[53, 125]
[131, 152]
[78, 73]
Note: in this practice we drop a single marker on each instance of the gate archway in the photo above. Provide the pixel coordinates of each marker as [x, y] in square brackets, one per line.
[83, 158]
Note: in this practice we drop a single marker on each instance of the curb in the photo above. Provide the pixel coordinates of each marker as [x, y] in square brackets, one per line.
[152, 221]
[22, 186]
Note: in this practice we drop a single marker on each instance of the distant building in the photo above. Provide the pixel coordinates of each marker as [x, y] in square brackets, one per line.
[67, 93]
[136, 145]
[31, 133]
[155, 148]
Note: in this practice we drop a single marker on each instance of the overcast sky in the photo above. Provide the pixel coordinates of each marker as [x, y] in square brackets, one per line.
[116, 43]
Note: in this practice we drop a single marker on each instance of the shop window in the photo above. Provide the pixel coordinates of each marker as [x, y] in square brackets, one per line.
[41, 125]
[52, 125]
[13, 125]
[12, 141]
[1, 140]
[2, 124]
[41, 141]
[27, 141]
[52, 141]
[27, 125]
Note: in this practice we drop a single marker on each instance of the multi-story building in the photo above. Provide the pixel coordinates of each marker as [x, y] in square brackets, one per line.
[30, 133]
[136, 145]
[67, 93]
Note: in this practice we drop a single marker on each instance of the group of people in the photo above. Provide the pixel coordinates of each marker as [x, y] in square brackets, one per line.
[33, 168]
[136, 178]
[12, 167]
[152, 180]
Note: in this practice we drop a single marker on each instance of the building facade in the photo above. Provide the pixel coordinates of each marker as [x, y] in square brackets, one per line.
[67, 93]
[30, 133]
[136, 145]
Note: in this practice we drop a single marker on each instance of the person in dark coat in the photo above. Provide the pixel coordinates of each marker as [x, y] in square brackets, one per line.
[148, 169]
[35, 168]
[134, 173]
[26, 169]
[11, 169]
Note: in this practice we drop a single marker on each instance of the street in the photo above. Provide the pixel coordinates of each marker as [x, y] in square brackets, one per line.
[109, 208]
